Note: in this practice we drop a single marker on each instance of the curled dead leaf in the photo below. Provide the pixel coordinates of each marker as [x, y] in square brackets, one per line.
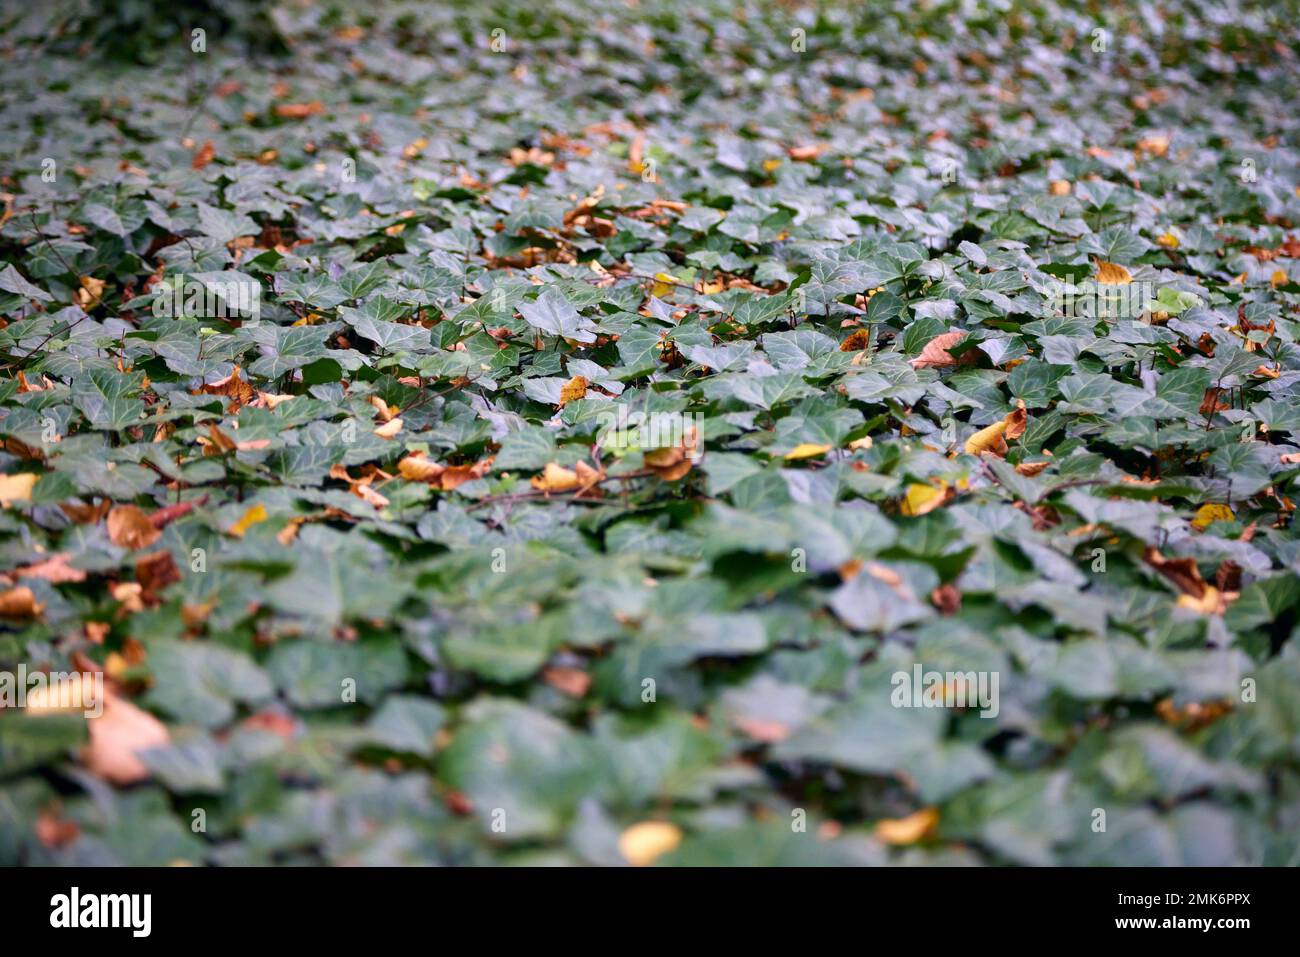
[992, 438]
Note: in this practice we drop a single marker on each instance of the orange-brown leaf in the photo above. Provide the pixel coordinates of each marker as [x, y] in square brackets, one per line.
[935, 355]
[128, 527]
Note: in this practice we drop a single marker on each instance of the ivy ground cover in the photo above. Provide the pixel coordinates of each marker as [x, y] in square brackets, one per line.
[676, 433]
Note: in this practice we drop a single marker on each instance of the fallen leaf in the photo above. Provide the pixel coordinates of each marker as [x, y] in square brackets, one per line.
[1032, 468]
[455, 476]
[910, 829]
[116, 738]
[1194, 715]
[1109, 274]
[1211, 512]
[935, 355]
[642, 844]
[91, 293]
[664, 284]
[389, 429]
[299, 111]
[154, 572]
[17, 488]
[417, 467]
[922, 498]
[856, 341]
[19, 604]
[54, 569]
[946, 598]
[170, 513]
[806, 154]
[988, 439]
[573, 682]
[575, 388]
[555, 478]
[55, 832]
[203, 156]
[767, 731]
[250, 518]
[368, 494]
[992, 438]
[1154, 145]
[232, 387]
[128, 527]
[807, 450]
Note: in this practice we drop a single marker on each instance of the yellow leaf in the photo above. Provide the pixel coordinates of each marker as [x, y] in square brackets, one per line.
[1279, 278]
[988, 439]
[418, 467]
[389, 429]
[862, 443]
[664, 284]
[1060, 187]
[555, 478]
[1211, 512]
[922, 498]
[993, 438]
[1210, 603]
[641, 844]
[1167, 240]
[910, 829]
[1109, 274]
[770, 165]
[252, 517]
[90, 293]
[807, 450]
[16, 488]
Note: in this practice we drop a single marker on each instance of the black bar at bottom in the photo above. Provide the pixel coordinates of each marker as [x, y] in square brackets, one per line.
[333, 907]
